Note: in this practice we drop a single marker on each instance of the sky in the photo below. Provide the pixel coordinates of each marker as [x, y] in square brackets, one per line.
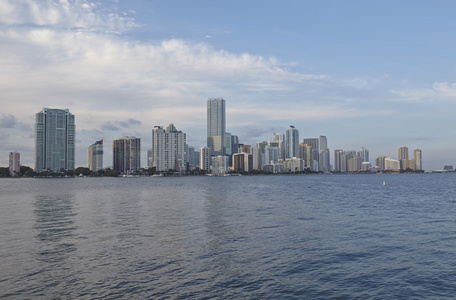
[378, 74]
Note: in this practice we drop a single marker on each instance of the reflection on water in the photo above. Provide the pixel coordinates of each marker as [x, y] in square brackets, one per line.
[56, 227]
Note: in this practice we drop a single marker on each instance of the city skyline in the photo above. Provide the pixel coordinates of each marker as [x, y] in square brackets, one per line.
[376, 74]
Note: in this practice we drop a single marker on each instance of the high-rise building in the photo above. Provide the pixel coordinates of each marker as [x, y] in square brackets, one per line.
[169, 148]
[364, 154]
[126, 154]
[324, 159]
[95, 156]
[279, 139]
[219, 165]
[417, 156]
[338, 154]
[402, 154]
[55, 133]
[14, 163]
[380, 162]
[292, 142]
[242, 162]
[216, 126]
[205, 159]
[313, 142]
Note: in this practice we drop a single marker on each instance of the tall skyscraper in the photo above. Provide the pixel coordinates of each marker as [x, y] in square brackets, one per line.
[292, 142]
[170, 149]
[55, 133]
[418, 159]
[14, 163]
[279, 138]
[216, 126]
[313, 142]
[126, 154]
[402, 154]
[364, 154]
[95, 156]
[324, 159]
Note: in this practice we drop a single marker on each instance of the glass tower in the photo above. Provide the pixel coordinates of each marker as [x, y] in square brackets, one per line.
[216, 126]
[55, 132]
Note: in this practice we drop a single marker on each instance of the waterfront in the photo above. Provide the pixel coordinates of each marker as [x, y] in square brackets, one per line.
[249, 237]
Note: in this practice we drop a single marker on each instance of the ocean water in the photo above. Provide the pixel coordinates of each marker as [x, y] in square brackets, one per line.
[250, 237]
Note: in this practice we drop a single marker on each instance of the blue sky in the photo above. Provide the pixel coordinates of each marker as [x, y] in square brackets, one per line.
[379, 74]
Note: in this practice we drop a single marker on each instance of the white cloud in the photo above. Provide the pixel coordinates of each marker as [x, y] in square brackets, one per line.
[440, 91]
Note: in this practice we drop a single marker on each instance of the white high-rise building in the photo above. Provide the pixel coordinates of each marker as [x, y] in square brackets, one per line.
[169, 149]
[95, 156]
[216, 126]
[55, 134]
[205, 159]
[14, 163]
[219, 165]
[292, 142]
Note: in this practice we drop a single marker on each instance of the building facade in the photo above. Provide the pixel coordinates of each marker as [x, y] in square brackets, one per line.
[95, 156]
[205, 159]
[55, 133]
[169, 149]
[292, 142]
[14, 163]
[216, 126]
[126, 154]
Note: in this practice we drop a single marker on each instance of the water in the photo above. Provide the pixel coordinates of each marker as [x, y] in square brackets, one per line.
[273, 237]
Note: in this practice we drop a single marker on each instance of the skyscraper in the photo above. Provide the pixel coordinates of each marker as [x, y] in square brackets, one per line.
[418, 159]
[324, 159]
[216, 126]
[313, 142]
[402, 154]
[95, 156]
[292, 142]
[205, 159]
[126, 154]
[169, 149]
[55, 133]
[14, 163]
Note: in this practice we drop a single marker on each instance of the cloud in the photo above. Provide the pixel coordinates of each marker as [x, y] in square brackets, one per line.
[62, 14]
[440, 91]
[109, 126]
[8, 121]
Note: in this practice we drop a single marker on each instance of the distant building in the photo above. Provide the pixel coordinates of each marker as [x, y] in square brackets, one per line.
[150, 157]
[279, 140]
[55, 134]
[95, 156]
[242, 162]
[417, 156]
[364, 154]
[216, 126]
[392, 164]
[292, 142]
[14, 163]
[403, 157]
[219, 165]
[295, 164]
[169, 148]
[315, 149]
[324, 159]
[205, 159]
[380, 162]
[126, 154]
[448, 168]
